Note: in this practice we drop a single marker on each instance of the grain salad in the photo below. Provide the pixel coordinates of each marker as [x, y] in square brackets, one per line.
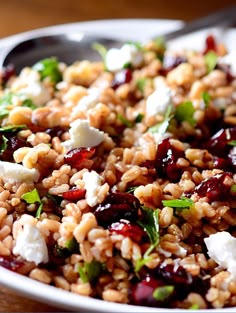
[117, 177]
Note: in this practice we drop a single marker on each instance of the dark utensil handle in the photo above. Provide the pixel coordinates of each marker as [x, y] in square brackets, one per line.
[225, 17]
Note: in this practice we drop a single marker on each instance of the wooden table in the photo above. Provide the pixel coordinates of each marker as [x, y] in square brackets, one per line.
[22, 15]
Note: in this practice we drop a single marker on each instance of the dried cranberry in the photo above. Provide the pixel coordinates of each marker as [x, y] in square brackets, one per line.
[214, 187]
[11, 263]
[122, 77]
[13, 143]
[128, 229]
[174, 274]
[170, 62]
[226, 68]
[166, 158]
[75, 156]
[74, 194]
[56, 131]
[210, 44]
[221, 163]
[142, 292]
[115, 207]
[7, 73]
[218, 144]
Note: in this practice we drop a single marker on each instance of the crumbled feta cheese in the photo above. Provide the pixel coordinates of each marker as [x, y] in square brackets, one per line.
[158, 101]
[13, 173]
[92, 181]
[88, 101]
[31, 245]
[28, 85]
[229, 59]
[37, 92]
[83, 135]
[221, 248]
[127, 54]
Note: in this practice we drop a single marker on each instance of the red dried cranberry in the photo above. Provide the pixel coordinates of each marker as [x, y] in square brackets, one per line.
[170, 62]
[142, 292]
[128, 229]
[75, 156]
[210, 44]
[221, 163]
[13, 143]
[56, 131]
[174, 274]
[166, 158]
[122, 77]
[74, 194]
[226, 68]
[115, 207]
[7, 73]
[11, 263]
[219, 142]
[214, 187]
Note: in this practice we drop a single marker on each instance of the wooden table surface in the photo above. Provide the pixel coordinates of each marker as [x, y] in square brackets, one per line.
[22, 15]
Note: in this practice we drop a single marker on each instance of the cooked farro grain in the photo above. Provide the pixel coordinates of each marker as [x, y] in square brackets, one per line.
[158, 139]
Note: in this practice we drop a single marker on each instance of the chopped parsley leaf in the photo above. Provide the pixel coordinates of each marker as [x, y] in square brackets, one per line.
[90, 271]
[141, 83]
[184, 112]
[232, 143]
[49, 68]
[206, 98]
[210, 60]
[12, 128]
[150, 223]
[139, 118]
[33, 197]
[125, 121]
[29, 104]
[163, 293]
[3, 144]
[101, 49]
[178, 203]
[162, 127]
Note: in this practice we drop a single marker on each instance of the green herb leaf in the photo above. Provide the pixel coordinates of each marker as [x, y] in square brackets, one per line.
[90, 271]
[233, 188]
[3, 144]
[150, 224]
[210, 60]
[131, 189]
[12, 128]
[7, 99]
[29, 104]
[31, 196]
[178, 203]
[184, 112]
[206, 98]
[232, 143]
[137, 44]
[160, 42]
[162, 127]
[125, 121]
[49, 68]
[163, 293]
[141, 83]
[72, 245]
[139, 118]
[194, 306]
[102, 50]
[39, 211]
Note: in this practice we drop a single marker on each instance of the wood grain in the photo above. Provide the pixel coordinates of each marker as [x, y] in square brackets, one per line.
[22, 15]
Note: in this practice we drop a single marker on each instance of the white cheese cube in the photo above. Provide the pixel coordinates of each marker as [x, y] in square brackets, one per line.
[13, 173]
[127, 54]
[92, 181]
[31, 245]
[221, 248]
[158, 101]
[83, 135]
